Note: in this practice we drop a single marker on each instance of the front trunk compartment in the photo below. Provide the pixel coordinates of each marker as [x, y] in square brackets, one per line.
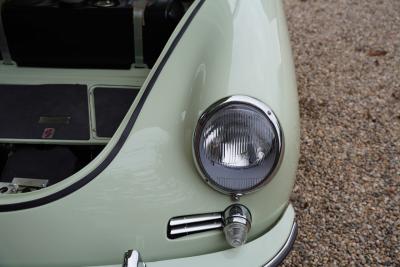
[69, 73]
[52, 163]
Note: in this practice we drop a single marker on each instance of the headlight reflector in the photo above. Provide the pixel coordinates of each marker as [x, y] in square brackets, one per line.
[237, 144]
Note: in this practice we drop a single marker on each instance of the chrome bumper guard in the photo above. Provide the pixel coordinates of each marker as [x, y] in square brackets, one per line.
[285, 250]
[132, 259]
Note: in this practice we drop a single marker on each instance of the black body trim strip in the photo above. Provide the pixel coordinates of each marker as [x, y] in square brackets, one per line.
[110, 157]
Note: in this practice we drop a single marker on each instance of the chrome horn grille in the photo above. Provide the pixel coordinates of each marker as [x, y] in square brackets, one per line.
[235, 222]
[186, 225]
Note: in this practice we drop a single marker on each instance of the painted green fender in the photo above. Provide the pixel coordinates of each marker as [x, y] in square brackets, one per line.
[146, 175]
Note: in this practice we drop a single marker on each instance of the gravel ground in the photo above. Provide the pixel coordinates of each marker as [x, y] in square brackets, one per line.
[347, 194]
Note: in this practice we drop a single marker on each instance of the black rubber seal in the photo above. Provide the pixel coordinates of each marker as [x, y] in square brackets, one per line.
[121, 141]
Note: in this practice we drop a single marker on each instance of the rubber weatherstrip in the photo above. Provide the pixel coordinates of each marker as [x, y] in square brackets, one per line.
[110, 157]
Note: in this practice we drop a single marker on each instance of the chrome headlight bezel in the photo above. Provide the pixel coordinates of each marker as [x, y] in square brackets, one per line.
[214, 108]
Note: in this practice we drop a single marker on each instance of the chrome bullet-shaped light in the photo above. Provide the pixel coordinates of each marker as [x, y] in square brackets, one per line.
[237, 224]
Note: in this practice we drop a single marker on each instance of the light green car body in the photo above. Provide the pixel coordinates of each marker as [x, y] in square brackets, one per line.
[220, 48]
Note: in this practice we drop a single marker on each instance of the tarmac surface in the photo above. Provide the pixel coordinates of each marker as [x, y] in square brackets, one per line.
[347, 193]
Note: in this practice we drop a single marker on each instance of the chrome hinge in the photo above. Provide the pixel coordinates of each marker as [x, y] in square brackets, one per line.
[22, 185]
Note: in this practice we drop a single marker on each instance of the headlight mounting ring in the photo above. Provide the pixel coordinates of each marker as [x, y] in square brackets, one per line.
[213, 109]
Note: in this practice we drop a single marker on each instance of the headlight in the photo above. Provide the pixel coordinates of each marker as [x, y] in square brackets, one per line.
[237, 145]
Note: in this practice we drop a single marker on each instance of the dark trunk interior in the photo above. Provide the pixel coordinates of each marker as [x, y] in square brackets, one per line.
[50, 162]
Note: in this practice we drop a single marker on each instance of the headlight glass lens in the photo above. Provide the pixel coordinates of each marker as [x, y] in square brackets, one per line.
[237, 147]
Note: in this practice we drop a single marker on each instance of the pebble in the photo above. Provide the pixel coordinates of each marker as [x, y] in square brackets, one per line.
[347, 192]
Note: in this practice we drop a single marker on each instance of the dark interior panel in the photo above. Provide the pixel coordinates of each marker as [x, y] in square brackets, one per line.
[69, 37]
[51, 111]
[48, 162]
[80, 34]
[111, 105]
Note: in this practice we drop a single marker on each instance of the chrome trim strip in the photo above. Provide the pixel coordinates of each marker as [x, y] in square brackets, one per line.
[243, 99]
[5, 51]
[195, 219]
[284, 251]
[191, 229]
